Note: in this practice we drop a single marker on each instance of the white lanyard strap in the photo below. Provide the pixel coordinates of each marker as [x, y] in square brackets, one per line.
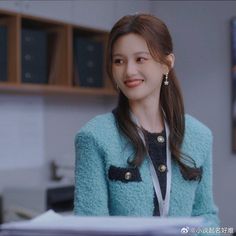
[163, 204]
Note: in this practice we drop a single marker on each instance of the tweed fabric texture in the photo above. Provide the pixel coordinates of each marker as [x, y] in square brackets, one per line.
[99, 146]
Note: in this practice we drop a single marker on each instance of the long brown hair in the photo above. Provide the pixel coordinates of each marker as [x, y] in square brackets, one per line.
[159, 42]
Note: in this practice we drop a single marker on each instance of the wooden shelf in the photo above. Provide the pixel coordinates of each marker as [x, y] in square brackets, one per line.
[53, 89]
[60, 58]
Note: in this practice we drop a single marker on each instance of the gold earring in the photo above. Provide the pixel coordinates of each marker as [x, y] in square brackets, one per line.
[166, 81]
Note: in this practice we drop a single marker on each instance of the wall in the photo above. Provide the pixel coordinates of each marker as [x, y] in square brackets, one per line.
[21, 139]
[94, 13]
[201, 35]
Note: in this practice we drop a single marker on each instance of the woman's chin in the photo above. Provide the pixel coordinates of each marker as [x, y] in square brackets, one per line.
[135, 96]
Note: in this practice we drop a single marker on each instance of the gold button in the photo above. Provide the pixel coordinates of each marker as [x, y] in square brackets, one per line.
[162, 168]
[160, 139]
[128, 175]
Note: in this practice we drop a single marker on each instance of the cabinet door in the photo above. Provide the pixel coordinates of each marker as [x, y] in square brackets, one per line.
[58, 10]
[93, 13]
[11, 5]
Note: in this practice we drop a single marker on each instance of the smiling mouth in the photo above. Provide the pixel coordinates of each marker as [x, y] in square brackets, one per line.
[133, 83]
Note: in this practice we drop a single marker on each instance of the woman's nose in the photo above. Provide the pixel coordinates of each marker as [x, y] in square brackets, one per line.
[131, 69]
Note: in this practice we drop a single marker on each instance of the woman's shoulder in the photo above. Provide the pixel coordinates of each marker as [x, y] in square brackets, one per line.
[99, 126]
[99, 122]
[197, 135]
[197, 141]
[195, 127]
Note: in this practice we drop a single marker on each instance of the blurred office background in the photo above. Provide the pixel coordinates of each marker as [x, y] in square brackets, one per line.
[37, 129]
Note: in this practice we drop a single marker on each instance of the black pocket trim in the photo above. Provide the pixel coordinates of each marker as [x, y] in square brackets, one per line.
[120, 174]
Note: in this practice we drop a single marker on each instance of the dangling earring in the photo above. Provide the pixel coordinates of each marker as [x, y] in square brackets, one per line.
[166, 82]
[117, 87]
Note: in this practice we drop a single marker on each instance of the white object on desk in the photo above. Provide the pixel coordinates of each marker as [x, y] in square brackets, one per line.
[55, 224]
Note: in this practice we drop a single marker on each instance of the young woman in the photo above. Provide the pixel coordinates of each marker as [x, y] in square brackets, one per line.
[146, 158]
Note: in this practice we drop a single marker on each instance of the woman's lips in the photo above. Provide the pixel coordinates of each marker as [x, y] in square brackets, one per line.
[133, 83]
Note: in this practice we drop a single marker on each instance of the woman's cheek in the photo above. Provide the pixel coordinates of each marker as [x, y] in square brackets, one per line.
[117, 74]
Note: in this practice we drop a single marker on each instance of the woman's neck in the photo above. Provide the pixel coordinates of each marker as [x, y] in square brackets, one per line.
[149, 115]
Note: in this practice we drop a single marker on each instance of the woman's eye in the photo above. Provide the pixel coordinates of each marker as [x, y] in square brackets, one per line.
[118, 61]
[141, 59]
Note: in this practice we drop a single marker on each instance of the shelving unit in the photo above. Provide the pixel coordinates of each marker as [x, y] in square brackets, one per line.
[60, 70]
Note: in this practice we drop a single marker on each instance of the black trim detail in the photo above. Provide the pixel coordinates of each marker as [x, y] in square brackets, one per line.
[118, 174]
[189, 177]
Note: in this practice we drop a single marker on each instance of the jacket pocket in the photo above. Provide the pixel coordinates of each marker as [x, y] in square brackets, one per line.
[124, 174]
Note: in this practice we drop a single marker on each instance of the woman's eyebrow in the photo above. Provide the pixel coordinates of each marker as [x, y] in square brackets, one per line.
[142, 52]
[136, 53]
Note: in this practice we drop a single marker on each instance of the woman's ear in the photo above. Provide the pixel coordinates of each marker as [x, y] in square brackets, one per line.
[171, 59]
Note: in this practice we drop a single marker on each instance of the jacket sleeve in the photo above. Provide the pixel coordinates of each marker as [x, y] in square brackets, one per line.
[204, 204]
[91, 192]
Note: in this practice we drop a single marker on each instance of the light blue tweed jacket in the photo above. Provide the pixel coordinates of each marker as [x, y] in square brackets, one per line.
[99, 145]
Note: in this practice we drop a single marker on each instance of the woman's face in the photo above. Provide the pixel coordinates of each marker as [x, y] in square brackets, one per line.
[134, 70]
